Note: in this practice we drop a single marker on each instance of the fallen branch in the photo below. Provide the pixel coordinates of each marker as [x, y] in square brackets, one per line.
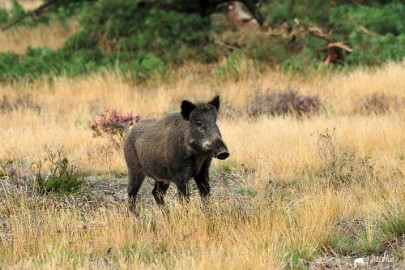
[334, 49]
[227, 46]
[368, 32]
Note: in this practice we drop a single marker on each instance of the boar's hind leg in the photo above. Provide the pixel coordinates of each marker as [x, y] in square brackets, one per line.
[159, 192]
[135, 180]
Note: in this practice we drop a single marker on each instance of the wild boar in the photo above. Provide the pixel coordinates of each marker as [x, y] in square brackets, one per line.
[174, 148]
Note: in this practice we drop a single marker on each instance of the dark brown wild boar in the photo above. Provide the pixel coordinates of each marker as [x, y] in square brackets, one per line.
[174, 148]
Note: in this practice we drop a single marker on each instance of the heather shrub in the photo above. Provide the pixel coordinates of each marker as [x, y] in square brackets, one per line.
[112, 125]
[288, 102]
[379, 103]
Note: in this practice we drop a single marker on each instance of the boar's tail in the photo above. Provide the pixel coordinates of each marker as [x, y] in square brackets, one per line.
[122, 126]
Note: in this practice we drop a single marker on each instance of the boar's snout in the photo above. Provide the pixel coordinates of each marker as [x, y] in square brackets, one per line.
[222, 155]
[221, 151]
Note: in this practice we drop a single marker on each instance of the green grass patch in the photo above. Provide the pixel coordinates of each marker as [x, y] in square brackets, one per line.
[393, 223]
[299, 255]
[246, 190]
[225, 167]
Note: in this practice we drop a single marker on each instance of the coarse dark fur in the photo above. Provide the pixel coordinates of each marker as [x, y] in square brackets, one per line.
[174, 148]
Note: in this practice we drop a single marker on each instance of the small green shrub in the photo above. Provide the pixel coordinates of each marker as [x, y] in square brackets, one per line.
[55, 174]
[61, 185]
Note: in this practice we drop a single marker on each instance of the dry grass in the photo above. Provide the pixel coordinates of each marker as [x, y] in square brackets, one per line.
[67, 105]
[292, 219]
[99, 238]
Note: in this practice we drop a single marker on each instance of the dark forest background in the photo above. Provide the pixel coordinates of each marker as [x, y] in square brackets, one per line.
[141, 37]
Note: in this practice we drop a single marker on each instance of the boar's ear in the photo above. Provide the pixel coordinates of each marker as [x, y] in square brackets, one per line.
[186, 108]
[215, 102]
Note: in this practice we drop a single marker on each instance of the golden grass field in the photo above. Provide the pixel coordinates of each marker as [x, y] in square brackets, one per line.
[296, 215]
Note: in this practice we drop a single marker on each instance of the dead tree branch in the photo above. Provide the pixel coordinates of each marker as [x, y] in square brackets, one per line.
[335, 50]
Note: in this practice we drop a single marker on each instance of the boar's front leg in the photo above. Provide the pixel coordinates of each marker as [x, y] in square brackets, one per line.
[159, 192]
[202, 181]
[182, 187]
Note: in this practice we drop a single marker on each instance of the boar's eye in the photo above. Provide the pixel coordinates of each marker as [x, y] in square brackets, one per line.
[198, 123]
